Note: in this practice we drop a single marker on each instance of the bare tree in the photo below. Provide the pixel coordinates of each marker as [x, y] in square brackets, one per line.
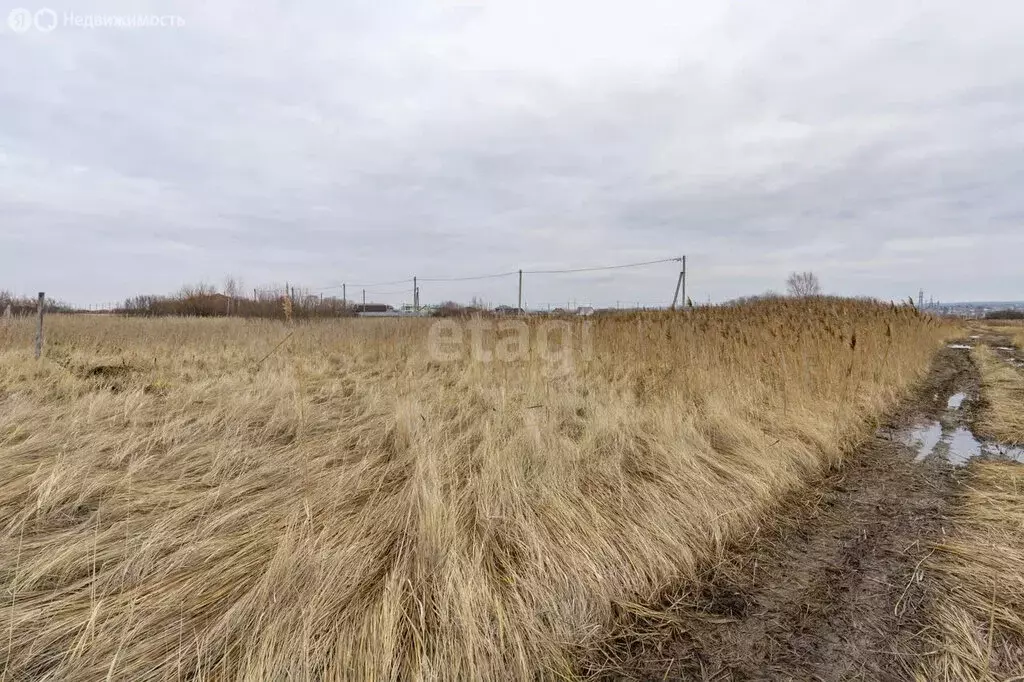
[803, 284]
[233, 290]
[233, 287]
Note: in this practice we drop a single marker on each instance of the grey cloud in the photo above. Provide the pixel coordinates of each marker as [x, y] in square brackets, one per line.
[358, 141]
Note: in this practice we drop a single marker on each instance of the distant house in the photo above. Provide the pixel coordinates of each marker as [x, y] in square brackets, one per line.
[381, 310]
[585, 311]
[507, 310]
[372, 308]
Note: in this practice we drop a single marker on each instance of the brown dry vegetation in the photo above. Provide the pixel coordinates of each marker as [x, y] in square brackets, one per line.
[1014, 329]
[978, 611]
[978, 616]
[1002, 386]
[352, 509]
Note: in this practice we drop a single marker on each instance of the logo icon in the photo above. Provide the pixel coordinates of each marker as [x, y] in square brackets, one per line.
[20, 19]
[46, 20]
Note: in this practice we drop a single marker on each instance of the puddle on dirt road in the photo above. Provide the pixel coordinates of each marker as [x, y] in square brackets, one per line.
[924, 438]
[962, 447]
[957, 445]
[959, 346]
[1013, 452]
[1009, 349]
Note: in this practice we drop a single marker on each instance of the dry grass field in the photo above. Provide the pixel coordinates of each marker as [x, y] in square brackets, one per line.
[979, 583]
[1012, 329]
[1002, 386]
[1017, 334]
[178, 499]
[979, 613]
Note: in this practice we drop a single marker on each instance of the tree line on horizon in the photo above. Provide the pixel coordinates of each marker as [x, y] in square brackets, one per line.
[287, 302]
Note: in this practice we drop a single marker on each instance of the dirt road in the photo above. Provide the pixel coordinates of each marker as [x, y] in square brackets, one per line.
[835, 591]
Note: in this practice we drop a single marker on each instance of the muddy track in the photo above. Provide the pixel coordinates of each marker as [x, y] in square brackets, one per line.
[833, 592]
[1002, 345]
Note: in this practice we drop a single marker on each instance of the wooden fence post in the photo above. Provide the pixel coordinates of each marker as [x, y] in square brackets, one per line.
[39, 326]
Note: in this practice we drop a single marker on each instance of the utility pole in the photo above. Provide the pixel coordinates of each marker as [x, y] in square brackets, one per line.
[344, 298]
[519, 308]
[39, 326]
[682, 275]
[364, 300]
[415, 295]
[675, 296]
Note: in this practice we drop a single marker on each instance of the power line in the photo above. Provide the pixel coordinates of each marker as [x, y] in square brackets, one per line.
[391, 293]
[366, 286]
[478, 276]
[381, 284]
[375, 293]
[602, 267]
[510, 273]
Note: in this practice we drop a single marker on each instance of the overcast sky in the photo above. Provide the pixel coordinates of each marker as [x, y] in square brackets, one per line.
[880, 144]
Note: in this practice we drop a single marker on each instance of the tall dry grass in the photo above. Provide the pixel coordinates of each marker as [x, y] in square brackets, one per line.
[1002, 387]
[350, 508]
[978, 612]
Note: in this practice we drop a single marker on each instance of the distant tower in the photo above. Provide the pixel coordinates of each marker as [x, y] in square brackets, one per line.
[920, 299]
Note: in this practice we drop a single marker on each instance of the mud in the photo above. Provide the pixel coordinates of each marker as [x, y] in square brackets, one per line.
[834, 591]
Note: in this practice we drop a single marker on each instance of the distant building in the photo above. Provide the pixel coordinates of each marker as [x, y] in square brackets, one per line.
[372, 308]
[380, 310]
[508, 310]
